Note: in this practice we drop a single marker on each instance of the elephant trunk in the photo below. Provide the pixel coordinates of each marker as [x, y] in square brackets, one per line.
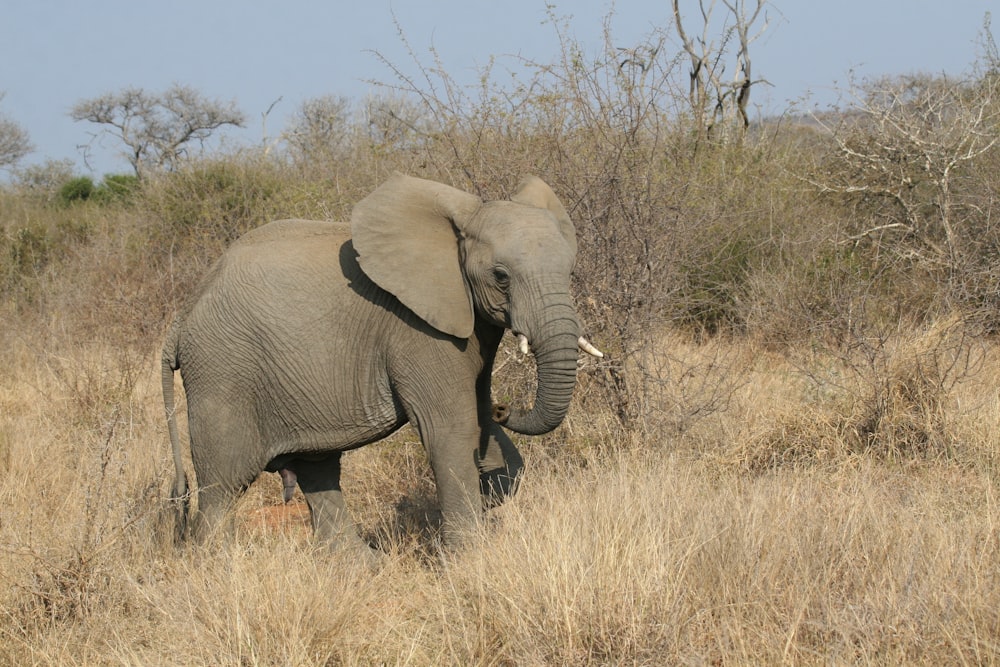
[554, 343]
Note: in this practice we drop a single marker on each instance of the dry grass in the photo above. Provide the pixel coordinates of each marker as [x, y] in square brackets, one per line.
[647, 553]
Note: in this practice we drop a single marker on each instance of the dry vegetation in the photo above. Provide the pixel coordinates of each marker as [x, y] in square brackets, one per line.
[790, 454]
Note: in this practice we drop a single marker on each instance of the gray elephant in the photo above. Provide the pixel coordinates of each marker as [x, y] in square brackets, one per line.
[309, 338]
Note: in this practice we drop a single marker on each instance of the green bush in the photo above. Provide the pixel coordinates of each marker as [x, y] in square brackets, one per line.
[113, 189]
[215, 200]
[117, 189]
[77, 189]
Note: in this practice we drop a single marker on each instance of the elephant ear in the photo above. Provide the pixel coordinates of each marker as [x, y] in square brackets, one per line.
[406, 235]
[533, 191]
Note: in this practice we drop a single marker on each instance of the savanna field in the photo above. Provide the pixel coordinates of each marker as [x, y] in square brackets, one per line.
[789, 454]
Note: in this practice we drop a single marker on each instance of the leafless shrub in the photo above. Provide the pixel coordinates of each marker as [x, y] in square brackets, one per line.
[905, 380]
[886, 396]
[902, 152]
[909, 161]
[42, 181]
[320, 130]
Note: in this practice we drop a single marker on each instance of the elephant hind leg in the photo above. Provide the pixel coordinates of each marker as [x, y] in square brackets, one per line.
[214, 504]
[320, 484]
[221, 440]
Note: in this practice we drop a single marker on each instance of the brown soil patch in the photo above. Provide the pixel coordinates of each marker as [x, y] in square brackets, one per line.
[290, 518]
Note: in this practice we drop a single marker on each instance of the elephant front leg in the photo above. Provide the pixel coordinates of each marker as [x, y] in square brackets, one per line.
[452, 458]
[499, 464]
[331, 522]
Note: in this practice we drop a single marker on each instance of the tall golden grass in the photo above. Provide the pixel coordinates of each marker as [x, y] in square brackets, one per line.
[682, 552]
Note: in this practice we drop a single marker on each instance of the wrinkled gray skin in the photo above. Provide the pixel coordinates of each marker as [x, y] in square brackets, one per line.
[308, 338]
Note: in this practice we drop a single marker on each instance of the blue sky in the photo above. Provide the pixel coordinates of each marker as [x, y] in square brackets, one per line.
[54, 53]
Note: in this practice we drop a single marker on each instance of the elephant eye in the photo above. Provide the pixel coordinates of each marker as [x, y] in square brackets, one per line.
[501, 276]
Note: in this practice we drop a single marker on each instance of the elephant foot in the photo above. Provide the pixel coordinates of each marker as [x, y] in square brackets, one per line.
[496, 486]
[353, 549]
[499, 463]
[369, 557]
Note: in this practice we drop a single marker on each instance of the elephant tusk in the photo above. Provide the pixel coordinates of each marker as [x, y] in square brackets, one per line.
[589, 349]
[522, 343]
[585, 345]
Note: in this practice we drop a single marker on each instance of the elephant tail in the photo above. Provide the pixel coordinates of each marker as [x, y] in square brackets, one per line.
[169, 364]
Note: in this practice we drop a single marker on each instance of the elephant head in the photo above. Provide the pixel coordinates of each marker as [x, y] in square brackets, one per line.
[453, 259]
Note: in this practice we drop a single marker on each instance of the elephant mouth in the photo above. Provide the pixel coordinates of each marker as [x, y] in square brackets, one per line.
[524, 346]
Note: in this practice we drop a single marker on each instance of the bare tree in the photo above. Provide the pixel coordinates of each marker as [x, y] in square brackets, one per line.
[715, 101]
[320, 129]
[14, 142]
[157, 129]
